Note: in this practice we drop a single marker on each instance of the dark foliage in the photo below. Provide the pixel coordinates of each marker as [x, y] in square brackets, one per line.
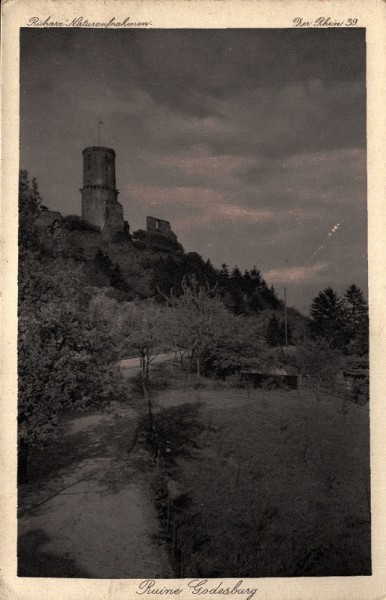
[342, 322]
[112, 270]
[175, 432]
[76, 223]
[29, 209]
[357, 320]
[65, 357]
[275, 335]
[242, 293]
[327, 316]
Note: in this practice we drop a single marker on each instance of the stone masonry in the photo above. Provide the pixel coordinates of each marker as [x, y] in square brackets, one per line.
[100, 204]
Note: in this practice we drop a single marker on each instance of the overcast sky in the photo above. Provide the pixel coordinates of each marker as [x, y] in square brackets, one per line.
[251, 142]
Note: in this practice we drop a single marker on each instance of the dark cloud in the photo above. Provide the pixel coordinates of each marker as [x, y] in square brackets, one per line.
[180, 68]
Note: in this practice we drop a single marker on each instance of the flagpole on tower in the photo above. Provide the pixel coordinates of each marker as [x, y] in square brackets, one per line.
[99, 133]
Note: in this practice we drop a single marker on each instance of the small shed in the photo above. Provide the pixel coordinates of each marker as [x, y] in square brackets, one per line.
[357, 374]
[277, 377]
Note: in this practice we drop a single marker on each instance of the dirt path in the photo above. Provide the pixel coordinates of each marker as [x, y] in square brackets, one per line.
[132, 366]
[93, 516]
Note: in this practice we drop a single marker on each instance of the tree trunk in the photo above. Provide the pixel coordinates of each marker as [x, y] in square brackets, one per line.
[198, 367]
[142, 363]
[148, 401]
[22, 467]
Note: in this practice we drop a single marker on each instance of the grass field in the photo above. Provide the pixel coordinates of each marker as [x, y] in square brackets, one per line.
[257, 483]
[277, 483]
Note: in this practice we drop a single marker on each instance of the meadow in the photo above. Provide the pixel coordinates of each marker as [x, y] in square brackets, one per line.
[272, 483]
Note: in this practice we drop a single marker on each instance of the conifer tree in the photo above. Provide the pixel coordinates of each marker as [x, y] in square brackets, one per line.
[274, 332]
[357, 321]
[327, 314]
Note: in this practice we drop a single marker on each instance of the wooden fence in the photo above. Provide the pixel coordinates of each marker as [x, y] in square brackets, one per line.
[355, 391]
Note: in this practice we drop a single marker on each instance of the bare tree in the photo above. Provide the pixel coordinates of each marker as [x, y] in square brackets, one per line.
[195, 320]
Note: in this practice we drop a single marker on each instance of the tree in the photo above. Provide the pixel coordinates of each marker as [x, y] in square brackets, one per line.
[327, 318]
[236, 274]
[255, 274]
[232, 348]
[316, 359]
[66, 357]
[29, 210]
[77, 223]
[197, 318]
[357, 319]
[111, 271]
[224, 274]
[274, 332]
[143, 324]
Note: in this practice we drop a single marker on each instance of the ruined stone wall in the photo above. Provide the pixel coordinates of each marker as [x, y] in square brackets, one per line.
[114, 222]
[159, 226]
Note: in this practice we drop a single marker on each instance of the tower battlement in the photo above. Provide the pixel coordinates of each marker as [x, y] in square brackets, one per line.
[99, 149]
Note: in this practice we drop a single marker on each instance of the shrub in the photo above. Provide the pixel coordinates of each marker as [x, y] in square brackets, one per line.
[76, 223]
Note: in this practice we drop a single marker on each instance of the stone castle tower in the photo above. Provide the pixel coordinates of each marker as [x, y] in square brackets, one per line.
[100, 204]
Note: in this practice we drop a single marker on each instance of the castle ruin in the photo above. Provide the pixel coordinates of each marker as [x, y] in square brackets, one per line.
[100, 205]
[101, 209]
[160, 226]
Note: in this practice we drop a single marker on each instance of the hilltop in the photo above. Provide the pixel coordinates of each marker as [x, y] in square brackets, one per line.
[147, 262]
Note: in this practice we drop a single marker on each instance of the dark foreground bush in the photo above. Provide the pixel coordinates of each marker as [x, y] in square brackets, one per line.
[76, 223]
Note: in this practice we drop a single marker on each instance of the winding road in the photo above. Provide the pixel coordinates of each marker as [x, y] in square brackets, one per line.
[132, 366]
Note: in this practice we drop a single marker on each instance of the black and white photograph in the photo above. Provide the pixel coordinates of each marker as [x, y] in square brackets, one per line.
[193, 323]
